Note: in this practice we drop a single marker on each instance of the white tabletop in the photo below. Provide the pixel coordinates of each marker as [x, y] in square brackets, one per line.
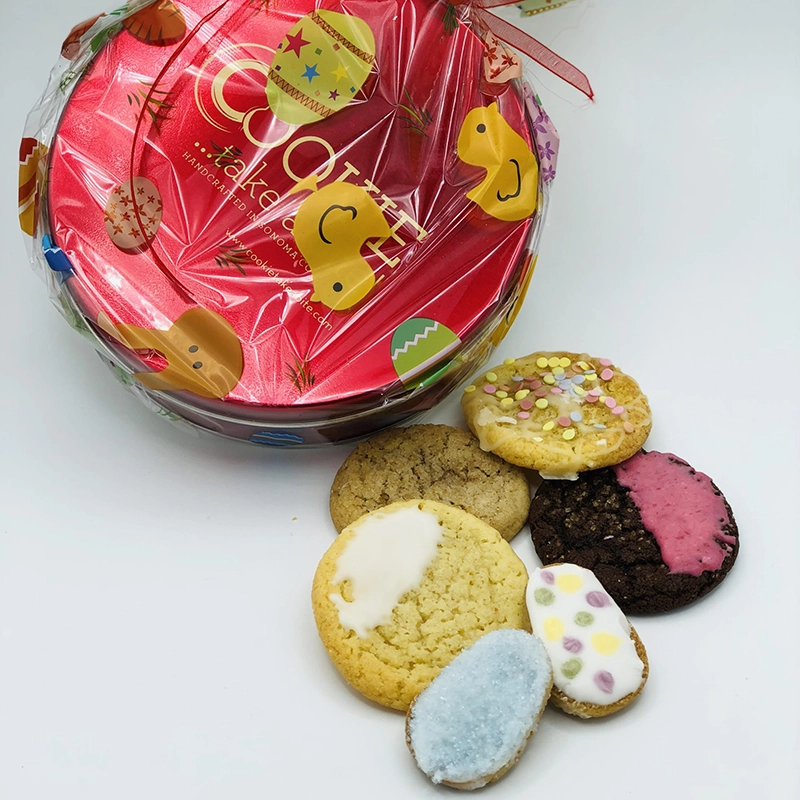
[156, 635]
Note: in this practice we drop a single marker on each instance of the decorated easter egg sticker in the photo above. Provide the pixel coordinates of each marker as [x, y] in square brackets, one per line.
[133, 217]
[509, 190]
[331, 227]
[159, 23]
[31, 154]
[419, 344]
[322, 62]
[203, 353]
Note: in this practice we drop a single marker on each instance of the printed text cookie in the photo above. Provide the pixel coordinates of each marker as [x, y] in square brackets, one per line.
[406, 588]
[558, 413]
[657, 533]
[599, 662]
[434, 462]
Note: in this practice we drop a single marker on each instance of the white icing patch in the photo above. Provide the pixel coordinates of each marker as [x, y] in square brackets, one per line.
[386, 557]
[586, 635]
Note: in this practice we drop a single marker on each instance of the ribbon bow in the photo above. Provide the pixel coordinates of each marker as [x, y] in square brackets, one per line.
[520, 40]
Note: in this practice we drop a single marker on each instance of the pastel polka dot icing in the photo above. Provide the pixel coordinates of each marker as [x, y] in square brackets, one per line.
[560, 413]
[587, 636]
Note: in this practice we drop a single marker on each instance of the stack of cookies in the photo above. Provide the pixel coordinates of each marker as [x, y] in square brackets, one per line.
[424, 607]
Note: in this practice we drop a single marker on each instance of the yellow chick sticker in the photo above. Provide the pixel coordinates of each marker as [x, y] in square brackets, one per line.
[510, 189]
[331, 227]
[203, 353]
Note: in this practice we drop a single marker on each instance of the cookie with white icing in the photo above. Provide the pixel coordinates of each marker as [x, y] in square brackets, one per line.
[599, 662]
[558, 413]
[471, 725]
[434, 462]
[405, 588]
[658, 533]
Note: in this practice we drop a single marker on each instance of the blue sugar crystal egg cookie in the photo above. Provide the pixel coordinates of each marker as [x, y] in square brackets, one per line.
[471, 725]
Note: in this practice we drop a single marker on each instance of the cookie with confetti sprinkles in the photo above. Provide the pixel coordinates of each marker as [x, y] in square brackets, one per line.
[434, 462]
[404, 589]
[558, 413]
[599, 662]
[657, 533]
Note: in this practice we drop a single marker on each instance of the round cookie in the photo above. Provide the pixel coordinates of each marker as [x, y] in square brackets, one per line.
[558, 413]
[471, 725]
[656, 533]
[404, 589]
[599, 662]
[433, 462]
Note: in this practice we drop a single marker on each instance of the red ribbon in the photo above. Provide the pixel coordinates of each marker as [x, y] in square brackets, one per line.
[532, 48]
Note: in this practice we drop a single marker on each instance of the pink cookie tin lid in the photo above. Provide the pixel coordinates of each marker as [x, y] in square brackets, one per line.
[296, 210]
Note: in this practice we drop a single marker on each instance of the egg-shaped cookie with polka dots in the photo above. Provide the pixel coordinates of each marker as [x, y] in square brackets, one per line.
[559, 413]
[600, 665]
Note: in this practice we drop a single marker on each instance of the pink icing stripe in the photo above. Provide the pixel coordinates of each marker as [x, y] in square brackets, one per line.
[680, 508]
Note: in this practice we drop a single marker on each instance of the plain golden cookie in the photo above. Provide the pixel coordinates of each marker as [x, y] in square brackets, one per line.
[558, 413]
[433, 462]
[404, 589]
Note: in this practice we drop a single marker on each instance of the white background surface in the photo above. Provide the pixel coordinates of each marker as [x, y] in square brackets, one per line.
[156, 635]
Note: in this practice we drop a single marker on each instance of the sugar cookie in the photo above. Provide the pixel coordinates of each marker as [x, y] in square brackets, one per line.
[558, 413]
[405, 588]
[471, 725]
[657, 533]
[599, 663]
[434, 462]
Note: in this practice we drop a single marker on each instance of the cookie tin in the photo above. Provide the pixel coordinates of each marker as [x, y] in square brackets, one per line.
[288, 222]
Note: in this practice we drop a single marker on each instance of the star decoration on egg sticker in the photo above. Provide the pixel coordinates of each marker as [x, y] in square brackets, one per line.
[339, 73]
[311, 72]
[295, 43]
[334, 94]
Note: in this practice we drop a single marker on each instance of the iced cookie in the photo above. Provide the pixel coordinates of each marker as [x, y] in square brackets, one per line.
[434, 462]
[404, 589]
[471, 725]
[558, 413]
[599, 662]
[657, 533]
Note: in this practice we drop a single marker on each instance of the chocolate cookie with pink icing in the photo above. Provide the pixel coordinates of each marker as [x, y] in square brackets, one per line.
[656, 532]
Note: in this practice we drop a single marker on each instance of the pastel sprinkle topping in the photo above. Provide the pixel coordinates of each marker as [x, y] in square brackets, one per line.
[541, 403]
[605, 362]
[501, 394]
[553, 361]
[489, 389]
[564, 422]
[610, 402]
[563, 361]
[507, 401]
[617, 410]
[470, 388]
[491, 376]
[606, 374]
[521, 394]
[541, 392]
[524, 415]
[526, 405]
[541, 362]
[628, 426]
[576, 416]
[548, 426]
[509, 361]
[569, 434]
[578, 379]
[549, 379]
[556, 390]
